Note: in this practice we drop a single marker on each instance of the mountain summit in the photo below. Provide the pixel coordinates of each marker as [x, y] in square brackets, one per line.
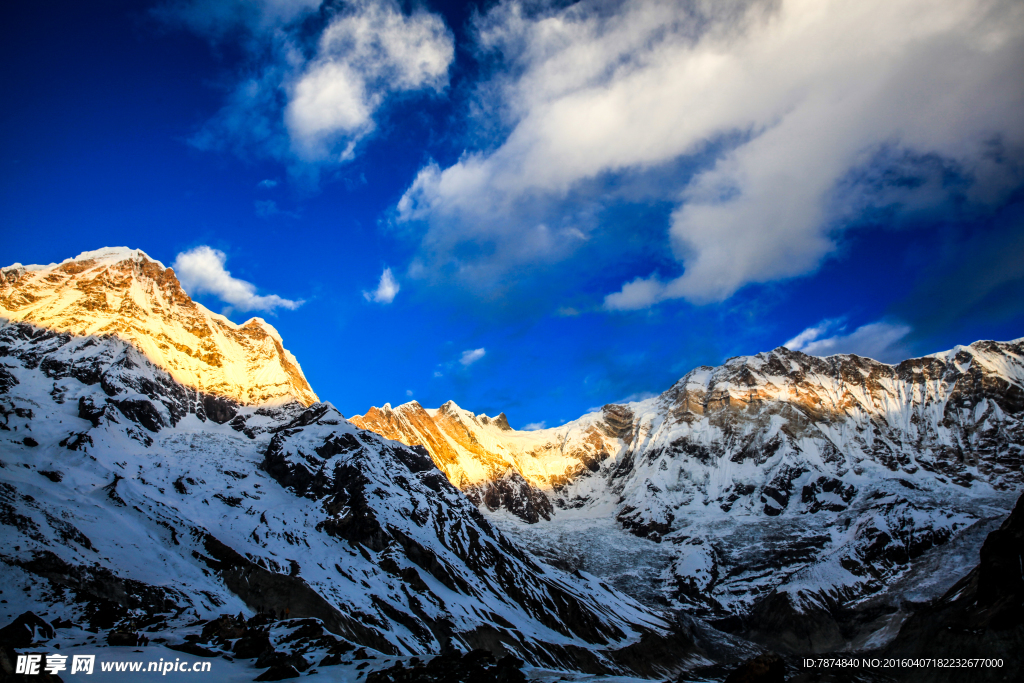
[124, 293]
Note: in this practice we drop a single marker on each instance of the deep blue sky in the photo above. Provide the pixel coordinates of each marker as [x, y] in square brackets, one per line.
[590, 198]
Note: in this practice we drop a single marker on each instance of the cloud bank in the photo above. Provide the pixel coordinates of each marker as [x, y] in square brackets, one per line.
[801, 116]
[201, 271]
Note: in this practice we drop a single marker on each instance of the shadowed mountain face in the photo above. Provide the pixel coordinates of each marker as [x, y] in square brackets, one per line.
[123, 293]
[981, 616]
[126, 495]
[777, 484]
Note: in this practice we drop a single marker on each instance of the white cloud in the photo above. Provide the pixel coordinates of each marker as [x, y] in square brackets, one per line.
[364, 55]
[386, 290]
[201, 271]
[798, 342]
[534, 426]
[789, 99]
[471, 356]
[879, 340]
[267, 184]
[638, 294]
[310, 105]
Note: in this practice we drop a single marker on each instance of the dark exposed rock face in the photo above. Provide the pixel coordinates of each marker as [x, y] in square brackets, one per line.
[219, 408]
[981, 616]
[25, 630]
[102, 586]
[513, 493]
[618, 421]
[268, 590]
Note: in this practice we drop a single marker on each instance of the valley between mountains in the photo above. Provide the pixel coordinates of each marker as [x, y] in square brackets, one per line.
[165, 471]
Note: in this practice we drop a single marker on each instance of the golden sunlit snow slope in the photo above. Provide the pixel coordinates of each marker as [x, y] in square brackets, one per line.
[496, 464]
[122, 292]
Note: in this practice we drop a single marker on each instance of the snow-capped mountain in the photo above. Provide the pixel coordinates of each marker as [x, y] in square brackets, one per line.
[122, 501]
[159, 462]
[123, 293]
[777, 483]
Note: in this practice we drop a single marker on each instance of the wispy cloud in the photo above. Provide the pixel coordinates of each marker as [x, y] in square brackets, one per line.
[534, 426]
[310, 99]
[879, 340]
[471, 356]
[783, 106]
[386, 290]
[201, 271]
[638, 396]
[267, 184]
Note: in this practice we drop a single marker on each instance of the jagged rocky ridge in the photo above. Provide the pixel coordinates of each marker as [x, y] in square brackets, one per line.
[780, 483]
[119, 493]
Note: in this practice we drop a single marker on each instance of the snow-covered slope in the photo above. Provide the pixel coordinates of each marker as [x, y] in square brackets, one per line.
[777, 477]
[117, 494]
[123, 293]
